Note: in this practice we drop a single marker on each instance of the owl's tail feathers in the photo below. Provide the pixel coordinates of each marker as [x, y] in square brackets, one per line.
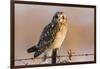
[32, 49]
[37, 53]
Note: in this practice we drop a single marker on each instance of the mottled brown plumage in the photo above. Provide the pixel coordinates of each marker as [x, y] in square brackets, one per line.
[52, 36]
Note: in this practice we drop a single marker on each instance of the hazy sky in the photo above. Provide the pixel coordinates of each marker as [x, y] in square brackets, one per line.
[31, 19]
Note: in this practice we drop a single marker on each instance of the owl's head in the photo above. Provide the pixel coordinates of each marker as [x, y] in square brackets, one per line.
[59, 17]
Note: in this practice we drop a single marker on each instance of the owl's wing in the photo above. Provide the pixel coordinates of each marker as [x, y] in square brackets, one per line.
[46, 39]
[48, 35]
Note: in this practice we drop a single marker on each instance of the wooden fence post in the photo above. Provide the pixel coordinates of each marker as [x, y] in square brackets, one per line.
[54, 55]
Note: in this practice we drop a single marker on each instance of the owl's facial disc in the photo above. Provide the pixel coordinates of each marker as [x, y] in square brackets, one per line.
[59, 17]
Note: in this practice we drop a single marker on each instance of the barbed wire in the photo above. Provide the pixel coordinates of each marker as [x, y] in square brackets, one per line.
[56, 56]
[69, 56]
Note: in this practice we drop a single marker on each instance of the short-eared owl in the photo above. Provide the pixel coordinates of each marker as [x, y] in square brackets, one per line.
[52, 36]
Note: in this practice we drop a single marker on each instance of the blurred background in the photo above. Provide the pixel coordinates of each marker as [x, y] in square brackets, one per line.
[31, 19]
